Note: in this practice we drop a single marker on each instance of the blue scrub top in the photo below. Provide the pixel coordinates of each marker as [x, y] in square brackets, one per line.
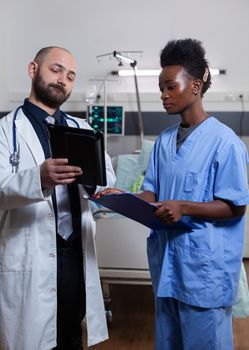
[200, 267]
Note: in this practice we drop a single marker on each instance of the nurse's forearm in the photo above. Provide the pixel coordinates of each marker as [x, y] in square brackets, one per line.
[147, 196]
[216, 209]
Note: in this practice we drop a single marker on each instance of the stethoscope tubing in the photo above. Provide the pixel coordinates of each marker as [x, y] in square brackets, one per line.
[14, 159]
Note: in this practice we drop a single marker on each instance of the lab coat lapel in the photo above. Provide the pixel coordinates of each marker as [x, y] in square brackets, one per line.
[26, 131]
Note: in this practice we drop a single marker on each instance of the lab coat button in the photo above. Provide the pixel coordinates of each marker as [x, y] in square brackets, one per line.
[53, 291]
[52, 255]
[51, 216]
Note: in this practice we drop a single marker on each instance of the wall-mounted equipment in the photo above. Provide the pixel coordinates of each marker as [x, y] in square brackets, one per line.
[115, 119]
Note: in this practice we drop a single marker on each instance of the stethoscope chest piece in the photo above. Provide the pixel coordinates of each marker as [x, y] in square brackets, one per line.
[14, 159]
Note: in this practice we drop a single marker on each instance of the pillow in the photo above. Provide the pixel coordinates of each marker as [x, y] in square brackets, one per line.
[136, 187]
[241, 307]
[127, 172]
[130, 167]
[144, 156]
[143, 161]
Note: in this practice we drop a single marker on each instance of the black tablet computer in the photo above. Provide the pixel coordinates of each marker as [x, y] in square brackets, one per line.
[82, 147]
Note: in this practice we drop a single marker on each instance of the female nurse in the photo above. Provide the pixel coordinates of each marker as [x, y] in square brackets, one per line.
[197, 174]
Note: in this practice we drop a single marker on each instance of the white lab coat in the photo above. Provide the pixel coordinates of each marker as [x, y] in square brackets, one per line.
[28, 302]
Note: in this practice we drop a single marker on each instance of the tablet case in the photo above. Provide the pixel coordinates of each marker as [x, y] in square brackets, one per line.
[82, 147]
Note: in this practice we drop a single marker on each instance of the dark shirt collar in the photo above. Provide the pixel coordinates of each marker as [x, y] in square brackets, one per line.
[40, 114]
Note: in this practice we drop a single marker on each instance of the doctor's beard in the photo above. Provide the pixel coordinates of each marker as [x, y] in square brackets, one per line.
[51, 95]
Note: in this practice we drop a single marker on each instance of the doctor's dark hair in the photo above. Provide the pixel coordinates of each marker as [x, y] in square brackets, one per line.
[190, 54]
[42, 53]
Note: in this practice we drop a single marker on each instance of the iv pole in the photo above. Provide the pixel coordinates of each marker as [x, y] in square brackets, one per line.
[104, 86]
[105, 112]
[133, 63]
[140, 119]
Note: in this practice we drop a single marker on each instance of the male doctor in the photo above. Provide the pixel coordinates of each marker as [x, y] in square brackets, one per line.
[48, 271]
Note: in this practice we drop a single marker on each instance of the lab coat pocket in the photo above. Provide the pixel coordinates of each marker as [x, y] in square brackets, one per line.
[16, 250]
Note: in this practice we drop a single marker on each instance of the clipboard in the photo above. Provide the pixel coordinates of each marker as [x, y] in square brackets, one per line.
[135, 208]
[82, 147]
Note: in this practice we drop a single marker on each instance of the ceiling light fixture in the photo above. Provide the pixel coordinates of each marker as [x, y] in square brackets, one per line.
[156, 72]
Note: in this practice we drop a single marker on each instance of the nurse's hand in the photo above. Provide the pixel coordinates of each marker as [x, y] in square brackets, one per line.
[169, 212]
[57, 172]
[107, 191]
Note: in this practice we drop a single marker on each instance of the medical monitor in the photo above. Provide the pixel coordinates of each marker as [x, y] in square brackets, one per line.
[115, 119]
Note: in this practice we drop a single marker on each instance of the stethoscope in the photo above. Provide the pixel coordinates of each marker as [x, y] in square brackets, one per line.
[14, 157]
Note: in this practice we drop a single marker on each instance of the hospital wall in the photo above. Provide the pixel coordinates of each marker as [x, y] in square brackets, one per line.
[155, 122]
[93, 28]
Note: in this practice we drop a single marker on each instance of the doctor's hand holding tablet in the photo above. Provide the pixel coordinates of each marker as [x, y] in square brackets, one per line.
[58, 172]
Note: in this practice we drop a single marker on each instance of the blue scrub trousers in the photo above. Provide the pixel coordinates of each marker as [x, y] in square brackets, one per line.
[180, 326]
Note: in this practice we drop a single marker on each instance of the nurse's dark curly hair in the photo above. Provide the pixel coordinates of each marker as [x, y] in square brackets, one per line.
[190, 54]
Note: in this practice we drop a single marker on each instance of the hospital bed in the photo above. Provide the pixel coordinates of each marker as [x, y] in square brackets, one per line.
[121, 242]
[121, 252]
